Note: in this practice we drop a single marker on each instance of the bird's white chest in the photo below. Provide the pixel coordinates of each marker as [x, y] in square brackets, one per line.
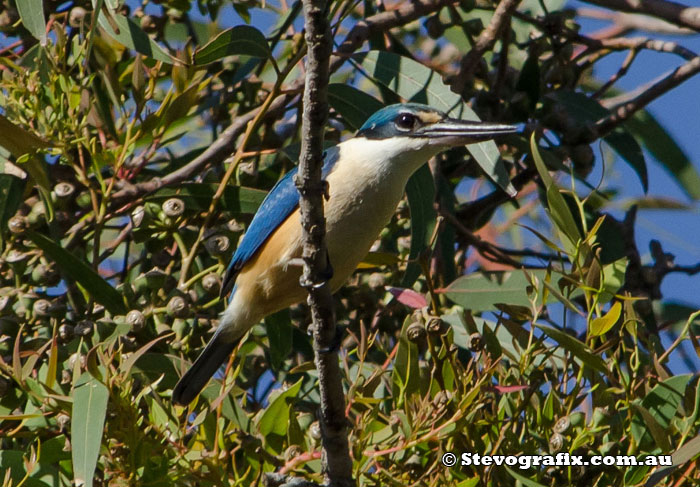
[364, 188]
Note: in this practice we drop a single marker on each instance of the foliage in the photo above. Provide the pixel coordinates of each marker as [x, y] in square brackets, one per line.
[115, 135]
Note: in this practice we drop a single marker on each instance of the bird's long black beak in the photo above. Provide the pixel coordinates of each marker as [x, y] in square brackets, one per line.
[451, 131]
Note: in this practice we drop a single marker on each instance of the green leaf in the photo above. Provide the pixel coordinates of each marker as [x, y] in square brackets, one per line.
[561, 215]
[405, 376]
[197, 196]
[652, 427]
[279, 333]
[628, 148]
[587, 110]
[378, 259]
[242, 40]
[482, 291]
[88, 417]
[276, 417]
[132, 36]
[417, 83]
[577, 348]
[681, 456]
[659, 142]
[17, 140]
[353, 105]
[662, 403]
[420, 191]
[32, 14]
[603, 323]
[522, 479]
[80, 272]
[12, 464]
[11, 189]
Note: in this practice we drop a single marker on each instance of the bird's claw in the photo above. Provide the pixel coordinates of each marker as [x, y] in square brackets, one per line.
[335, 345]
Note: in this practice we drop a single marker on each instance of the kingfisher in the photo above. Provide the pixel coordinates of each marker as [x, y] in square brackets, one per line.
[366, 176]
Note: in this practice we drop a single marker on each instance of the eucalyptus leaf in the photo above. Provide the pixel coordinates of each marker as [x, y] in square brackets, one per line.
[90, 398]
[81, 272]
[353, 105]
[125, 31]
[420, 191]
[241, 40]
[32, 14]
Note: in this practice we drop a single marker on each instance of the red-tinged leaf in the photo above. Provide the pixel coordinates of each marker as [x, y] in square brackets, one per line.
[508, 389]
[409, 297]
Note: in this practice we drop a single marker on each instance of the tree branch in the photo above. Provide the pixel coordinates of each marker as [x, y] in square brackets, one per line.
[501, 18]
[336, 460]
[407, 12]
[225, 144]
[672, 12]
[625, 110]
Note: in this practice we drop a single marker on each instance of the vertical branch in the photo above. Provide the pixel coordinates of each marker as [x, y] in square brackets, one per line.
[336, 455]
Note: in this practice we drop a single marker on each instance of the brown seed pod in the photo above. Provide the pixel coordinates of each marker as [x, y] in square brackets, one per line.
[136, 320]
[177, 307]
[137, 216]
[64, 190]
[42, 308]
[17, 224]
[556, 442]
[315, 431]
[65, 332]
[173, 207]
[475, 342]
[76, 16]
[218, 244]
[211, 283]
[84, 328]
[562, 424]
[436, 326]
[416, 332]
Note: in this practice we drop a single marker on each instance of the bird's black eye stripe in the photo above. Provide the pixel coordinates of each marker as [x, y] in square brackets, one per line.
[406, 121]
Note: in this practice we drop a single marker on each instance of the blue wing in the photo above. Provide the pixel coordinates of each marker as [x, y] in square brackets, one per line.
[279, 203]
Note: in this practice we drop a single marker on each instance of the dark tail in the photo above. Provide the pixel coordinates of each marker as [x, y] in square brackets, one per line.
[215, 353]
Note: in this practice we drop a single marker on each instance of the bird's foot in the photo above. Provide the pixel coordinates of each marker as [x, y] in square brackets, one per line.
[327, 273]
[334, 346]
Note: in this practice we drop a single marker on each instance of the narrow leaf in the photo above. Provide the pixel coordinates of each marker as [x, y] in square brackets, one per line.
[81, 272]
[197, 196]
[88, 416]
[132, 36]
[17, 140]
[561, 215]
[276, 417]
[32, 14]
[659, 142]
[483, 291]
[684, 454]
[602, 324]
[577, 348]
[662, 403]
[353, 105]
[420, 191]
[242, 40]
[279, 333]
[409, 297]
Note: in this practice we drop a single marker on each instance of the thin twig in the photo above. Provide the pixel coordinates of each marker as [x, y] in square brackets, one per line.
[675, 13]
[489, 36]
[625, 110]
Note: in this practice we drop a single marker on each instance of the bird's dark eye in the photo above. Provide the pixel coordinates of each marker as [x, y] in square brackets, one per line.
[405, 121]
